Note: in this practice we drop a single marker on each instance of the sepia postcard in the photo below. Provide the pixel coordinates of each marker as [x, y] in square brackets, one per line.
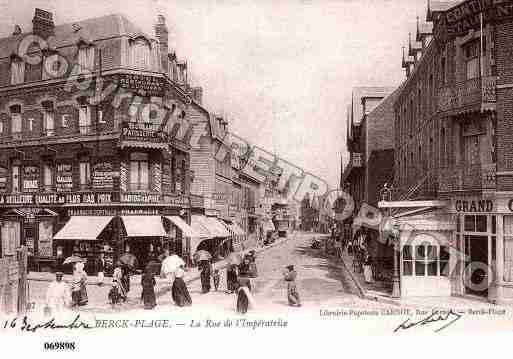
[189, 175]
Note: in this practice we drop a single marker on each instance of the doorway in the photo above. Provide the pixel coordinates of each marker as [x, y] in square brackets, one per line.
[476, 265]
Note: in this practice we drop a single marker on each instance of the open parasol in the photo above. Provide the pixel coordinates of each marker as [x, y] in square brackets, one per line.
[202, 255]
[172, 263]
[129, 259]
[73, 260]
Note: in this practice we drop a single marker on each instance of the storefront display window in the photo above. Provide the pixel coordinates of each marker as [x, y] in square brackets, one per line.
[508, 248]
[425, 260]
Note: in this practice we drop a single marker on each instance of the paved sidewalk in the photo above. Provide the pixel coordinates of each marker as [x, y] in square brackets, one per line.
[378, 292]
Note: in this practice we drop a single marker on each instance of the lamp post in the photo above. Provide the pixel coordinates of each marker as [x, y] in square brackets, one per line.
[386, 195]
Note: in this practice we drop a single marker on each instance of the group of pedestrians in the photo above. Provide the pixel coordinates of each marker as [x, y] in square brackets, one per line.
[238, 281]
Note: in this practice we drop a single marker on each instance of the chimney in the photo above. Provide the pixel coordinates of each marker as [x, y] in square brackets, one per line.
[42, 24]
[161, 33]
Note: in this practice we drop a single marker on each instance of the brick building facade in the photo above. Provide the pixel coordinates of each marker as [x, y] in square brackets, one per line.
[453, 139]
[96, 124]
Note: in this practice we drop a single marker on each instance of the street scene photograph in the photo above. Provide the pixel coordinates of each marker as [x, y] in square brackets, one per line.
[226, 164]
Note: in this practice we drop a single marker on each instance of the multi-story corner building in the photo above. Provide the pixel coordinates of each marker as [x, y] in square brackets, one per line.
[453, 120]
[95, 141]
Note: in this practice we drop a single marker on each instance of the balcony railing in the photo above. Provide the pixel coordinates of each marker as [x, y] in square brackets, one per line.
[468, 178]
[86, 130]
[477, 91]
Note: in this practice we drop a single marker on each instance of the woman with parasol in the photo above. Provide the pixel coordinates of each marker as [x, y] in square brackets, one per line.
[179, 291]
[203, 257]
[128, 262]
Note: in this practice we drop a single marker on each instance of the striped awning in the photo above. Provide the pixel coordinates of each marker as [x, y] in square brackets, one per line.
[187, 230]
[83, 228]
[215, 226]
[199, 227]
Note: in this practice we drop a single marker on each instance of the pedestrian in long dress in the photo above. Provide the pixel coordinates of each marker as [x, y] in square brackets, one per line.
[125, 277]
[231, 278]
[148, 288]
[58, 295]
[206, 273]
[117, 291]
[290, 276]
[101, 268]
[179, 291]
[367, 268]
[245, 300]
[78, 288]
[252, 267]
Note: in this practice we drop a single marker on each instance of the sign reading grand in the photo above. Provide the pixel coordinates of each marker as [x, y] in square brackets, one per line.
[459, 19]
[478, 205]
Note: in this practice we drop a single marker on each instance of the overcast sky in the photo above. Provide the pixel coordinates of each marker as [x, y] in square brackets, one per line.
[280, 70]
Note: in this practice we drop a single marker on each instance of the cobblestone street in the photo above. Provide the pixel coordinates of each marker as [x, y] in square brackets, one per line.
[321, 284]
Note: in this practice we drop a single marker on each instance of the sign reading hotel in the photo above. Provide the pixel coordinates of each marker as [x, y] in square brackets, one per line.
[460, 19]
[152, 86]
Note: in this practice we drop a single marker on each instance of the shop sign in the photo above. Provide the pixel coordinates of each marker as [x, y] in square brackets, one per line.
[56, 198]
[30, 178]
[152, 86]
[478, 205]
[4, 173]
[140, 198]
[144, 135]
[179, 201]
[103, 175]
[460, 19]
[91, 212]
[64, 177]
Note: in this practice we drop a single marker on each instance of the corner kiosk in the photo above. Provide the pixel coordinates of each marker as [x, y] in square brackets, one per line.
[459, 247]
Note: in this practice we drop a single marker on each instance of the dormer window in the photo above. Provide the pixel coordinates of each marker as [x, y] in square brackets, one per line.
[17, 70]
[140, 54]
[85, 58]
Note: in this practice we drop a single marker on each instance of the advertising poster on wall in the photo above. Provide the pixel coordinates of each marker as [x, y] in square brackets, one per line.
[103, 175]
[30, 178]
[3, 179]
[64, 177]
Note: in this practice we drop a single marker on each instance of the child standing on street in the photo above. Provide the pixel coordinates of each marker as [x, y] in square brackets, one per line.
[217, 278]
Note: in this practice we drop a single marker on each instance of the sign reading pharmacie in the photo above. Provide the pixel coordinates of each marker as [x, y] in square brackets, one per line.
[57, 198]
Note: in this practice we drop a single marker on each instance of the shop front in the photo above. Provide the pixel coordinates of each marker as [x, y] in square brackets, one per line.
[484, 234]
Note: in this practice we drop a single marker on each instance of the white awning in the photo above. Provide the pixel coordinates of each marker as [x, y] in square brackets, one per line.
[143, 226]
[198, 226]
[187, 230]
[215, 226]
[83, 228]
